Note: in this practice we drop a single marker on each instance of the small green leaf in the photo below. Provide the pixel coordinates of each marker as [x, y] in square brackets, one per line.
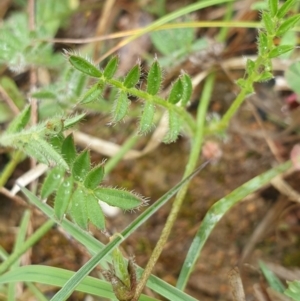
[265, 76]
[62, 198]
[174, 127]
[187, 89]
[44, 94]
[57, 141]
[250, 66]
[120, 266]
[133, 77]
[293, 290]
[285, 8]
[273, 7]
[287, 25]
[262, 43]
[120, 107]
[154, 78]
[52, 181]
[118, 198]
[70, 121]
[94, 177]
[176, 92]
[78, 210]
[111, 67]
[84, 66]
[43, 152]
[95, 212]
[146, 122]
[20, 121]
[279, 50]
[81, 166]
[92, 94]
[268, 23]
[68, 150]
[268, 65]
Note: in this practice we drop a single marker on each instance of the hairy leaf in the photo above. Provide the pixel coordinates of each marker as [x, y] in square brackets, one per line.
[146, 122]
[118, 198]
[78, 208]
[92, 94]
[262, 43]
[120, 107]
[287, 25]
[68, 150]
[282, 11]
[62, 197]
[273, 7]
[154, 78]
[174, 127]
[52, 181]
[20, 121]
[84, 66]
[95, 212]
[187, 89]
[81, 166]
[281, 49]
[268, 22]
[133, 77]
[111, 67]
[94, 177]
[176, 92]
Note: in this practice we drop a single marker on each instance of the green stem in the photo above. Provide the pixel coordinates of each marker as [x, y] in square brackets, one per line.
[156, 100]
[113, 161]
[36, 236]
[10, 167]
[192, 162]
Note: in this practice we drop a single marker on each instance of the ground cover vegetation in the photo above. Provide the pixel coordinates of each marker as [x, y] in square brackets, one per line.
[149, 141]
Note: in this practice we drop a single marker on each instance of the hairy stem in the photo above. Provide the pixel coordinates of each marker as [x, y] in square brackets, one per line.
[192, 162]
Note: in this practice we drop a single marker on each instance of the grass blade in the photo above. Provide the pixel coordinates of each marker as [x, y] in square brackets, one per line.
[217, 211]
[93, 245]
[74, 281]
[58, 277]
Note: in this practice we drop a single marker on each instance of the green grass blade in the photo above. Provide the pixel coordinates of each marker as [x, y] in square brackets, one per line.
[36, 236]
[37, 293]
[271, 278]
[74, 281]
[217, 211]
[93, 245]
[19, 241]
[58, 277]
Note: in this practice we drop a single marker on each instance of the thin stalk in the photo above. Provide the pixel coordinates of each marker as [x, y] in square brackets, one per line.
[36, 236]
[113, 161]
[10, 167]
[192, 162]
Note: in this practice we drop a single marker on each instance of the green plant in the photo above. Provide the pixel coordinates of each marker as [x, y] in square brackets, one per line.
[74, 183]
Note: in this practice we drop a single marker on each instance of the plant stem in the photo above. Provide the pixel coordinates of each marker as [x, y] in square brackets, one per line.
[113, 161]
[156, 101]
[10, 167]
[192, 162]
